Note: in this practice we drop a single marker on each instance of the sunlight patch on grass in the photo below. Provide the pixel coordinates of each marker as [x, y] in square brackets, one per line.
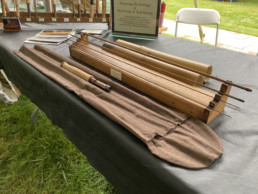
[41, 159]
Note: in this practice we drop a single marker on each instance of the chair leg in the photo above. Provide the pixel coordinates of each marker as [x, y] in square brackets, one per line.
[217, 33]
[176, 30]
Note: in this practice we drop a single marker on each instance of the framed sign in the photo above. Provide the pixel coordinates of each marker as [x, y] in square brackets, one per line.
[137, 18]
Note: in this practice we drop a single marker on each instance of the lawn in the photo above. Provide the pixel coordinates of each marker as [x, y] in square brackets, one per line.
[237, 16]
[41, 159]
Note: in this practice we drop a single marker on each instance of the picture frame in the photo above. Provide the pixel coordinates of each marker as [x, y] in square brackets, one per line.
[135, 18]
[11, 24]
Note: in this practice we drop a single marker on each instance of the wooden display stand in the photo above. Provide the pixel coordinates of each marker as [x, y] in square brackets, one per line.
[141, 75]
[75, 16]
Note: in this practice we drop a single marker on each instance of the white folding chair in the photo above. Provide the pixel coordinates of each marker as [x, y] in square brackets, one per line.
[198, 16]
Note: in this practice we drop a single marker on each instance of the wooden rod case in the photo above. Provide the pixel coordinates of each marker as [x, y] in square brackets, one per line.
[189, 99]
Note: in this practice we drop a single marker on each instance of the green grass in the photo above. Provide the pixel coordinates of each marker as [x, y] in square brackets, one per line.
[41, 159]
[237, 16]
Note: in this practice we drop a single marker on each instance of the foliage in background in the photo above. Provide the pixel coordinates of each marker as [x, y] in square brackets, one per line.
[237, 16]
[41, 159]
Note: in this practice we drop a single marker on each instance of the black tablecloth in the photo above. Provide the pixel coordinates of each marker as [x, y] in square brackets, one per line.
[121, 157]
